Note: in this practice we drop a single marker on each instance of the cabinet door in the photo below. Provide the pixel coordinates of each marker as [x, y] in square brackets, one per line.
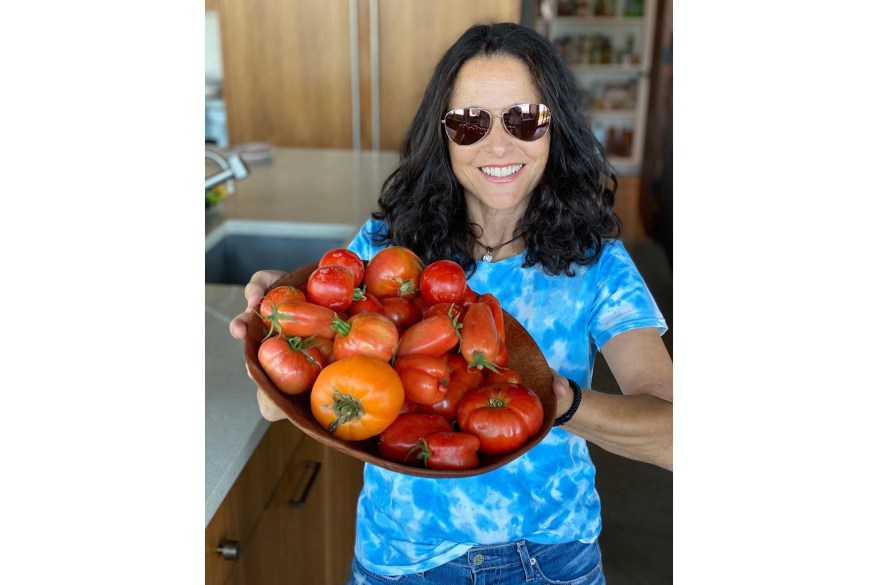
[287, 65]
[306, 533]
[243, 506]
[412, 37]
[287, 71]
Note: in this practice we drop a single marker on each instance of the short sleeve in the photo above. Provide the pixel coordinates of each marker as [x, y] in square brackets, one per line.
[622, 300]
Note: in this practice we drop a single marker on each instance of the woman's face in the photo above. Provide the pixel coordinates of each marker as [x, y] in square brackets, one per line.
[499, 172]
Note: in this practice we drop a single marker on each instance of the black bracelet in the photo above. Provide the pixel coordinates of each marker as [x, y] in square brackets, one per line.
[577, 398]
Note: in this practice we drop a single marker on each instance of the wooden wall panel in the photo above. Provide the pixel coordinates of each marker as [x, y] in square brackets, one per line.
[413, 36]
[287, 71]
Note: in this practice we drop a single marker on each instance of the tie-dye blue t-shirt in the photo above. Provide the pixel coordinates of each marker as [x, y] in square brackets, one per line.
[408, 524]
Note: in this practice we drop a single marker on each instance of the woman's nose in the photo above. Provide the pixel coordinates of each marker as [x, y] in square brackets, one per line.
[497, 139]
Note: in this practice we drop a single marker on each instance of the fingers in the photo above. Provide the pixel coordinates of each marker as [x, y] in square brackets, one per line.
[259, 283]
[238, 325]
[268, 409]
[253, 293]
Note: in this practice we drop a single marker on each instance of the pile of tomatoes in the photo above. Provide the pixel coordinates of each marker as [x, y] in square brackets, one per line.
[400, 351]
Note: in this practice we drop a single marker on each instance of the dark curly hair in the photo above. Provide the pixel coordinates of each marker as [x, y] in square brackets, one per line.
[569, 213]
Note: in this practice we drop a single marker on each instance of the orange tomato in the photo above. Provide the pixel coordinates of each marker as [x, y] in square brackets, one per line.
[357, 397]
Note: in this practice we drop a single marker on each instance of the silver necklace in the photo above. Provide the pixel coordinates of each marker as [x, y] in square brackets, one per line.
[489, 250]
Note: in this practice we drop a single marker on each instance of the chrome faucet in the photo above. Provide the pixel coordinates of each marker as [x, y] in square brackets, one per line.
[233, 169]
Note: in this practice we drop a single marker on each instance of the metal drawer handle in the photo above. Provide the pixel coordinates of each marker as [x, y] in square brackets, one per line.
[311, 469]
[230, 549]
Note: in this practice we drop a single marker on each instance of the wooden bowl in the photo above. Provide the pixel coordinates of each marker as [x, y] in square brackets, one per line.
[524, 356]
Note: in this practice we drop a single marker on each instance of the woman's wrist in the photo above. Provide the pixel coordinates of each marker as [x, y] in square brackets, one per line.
[577, 398]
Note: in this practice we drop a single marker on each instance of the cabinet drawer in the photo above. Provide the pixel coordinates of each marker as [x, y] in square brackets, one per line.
[242, 508]
[306, 533]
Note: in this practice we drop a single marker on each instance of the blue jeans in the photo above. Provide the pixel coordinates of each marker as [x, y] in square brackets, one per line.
[570, 563]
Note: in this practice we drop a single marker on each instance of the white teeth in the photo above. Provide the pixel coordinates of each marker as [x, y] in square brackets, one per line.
[501, 171]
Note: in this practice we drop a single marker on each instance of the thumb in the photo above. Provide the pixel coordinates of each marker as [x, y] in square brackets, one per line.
[559, 387]
[563, 393]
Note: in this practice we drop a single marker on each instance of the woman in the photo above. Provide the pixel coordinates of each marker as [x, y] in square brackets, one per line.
[500, 172]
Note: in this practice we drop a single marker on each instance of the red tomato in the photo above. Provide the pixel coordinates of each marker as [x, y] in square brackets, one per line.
[409, 406]
[433, 336]
[421, 304]
[479, 341]
[401, 311]
[452, 310]
[505, 375]
[356, 397]
[364, 302]
[393, 272]
[346, 258]
[460, 372]
[291, 364]
[278, 296]
[497, 313]
[502, 416]
[324, 344]
[365, 334]
[470, 297]
[447, 407]
[303, 319]
[450, 450]
[331, 287]
[424, 378]
[502, 355]
[406, 432]
[443, 281]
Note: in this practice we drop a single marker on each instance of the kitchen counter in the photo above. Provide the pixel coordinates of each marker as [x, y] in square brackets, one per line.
[317, 188]
[310, 186]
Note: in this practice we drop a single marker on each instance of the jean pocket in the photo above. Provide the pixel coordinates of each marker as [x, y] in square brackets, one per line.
[569, 563]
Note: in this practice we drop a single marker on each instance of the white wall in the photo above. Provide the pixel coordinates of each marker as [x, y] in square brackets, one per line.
[213, 63]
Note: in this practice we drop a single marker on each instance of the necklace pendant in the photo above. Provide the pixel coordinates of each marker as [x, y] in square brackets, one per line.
[487, 257]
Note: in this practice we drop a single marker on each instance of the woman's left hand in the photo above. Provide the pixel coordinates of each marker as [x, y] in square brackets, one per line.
[563, 392]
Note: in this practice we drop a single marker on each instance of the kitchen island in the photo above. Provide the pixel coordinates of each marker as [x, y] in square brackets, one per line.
[307, 189]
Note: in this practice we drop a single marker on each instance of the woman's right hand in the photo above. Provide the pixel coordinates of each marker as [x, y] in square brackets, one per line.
[253, 293]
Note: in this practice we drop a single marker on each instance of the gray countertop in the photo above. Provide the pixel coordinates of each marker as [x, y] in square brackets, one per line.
[318, 188]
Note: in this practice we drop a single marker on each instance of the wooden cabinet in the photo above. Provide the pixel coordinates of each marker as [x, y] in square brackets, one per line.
[291, 512]
[336, 73]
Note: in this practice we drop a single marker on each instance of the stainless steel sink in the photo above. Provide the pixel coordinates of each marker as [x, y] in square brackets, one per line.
[238, 248]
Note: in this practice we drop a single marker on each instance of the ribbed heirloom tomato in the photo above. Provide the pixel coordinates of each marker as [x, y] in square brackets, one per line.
[356, 397]
[393, 272]
[291, 363]
[502, 416]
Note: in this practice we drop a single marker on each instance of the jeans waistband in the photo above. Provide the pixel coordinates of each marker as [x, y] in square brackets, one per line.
[520, 553]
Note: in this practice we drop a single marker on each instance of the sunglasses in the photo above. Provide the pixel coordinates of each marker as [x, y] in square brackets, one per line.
[527, 122]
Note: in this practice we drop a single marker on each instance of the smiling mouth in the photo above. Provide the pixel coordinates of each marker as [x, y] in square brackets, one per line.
[500, 172]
